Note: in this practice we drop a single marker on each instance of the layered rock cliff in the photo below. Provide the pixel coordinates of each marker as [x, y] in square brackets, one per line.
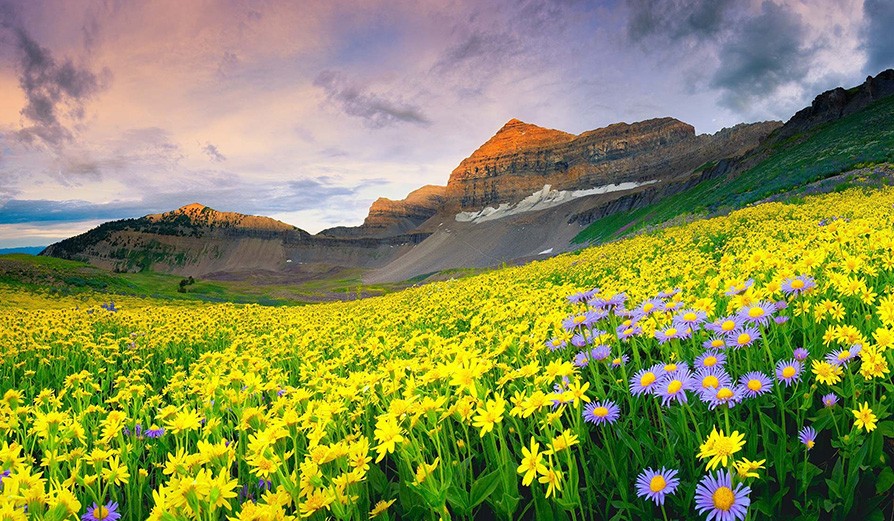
[388, 217]
[657, 149]
[197, 240]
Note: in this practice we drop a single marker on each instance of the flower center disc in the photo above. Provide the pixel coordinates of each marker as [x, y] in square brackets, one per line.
[723, 498]
[674, 386]
[657, 484]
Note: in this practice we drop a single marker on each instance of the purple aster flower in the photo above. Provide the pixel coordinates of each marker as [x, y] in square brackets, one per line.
[581, 340]
[618, 361]
[716, 496]
[798, 285]
[788, 371]
[725, 325]
[625, 332]
[673, 387]
[715, 342]
[656, 484]
[5, 474]
[617, 300]
[671, 306]
[107, 512]
[743, 337]
[780, 305]
[690, 318]
[830, 400]
[644, 381]
[649, 306]
[710, 378]
[755, 383]
[581, 359]
[710, 358]
[601, 413]
[735, 289]
[673, 367]
[725, 395]
[555, 344]
[668, 293]
[582, 296]
[580, 321]
[758, 313]
[600, 352]
[781, 319]
[800, 354]
[839, 357]
[807, 435]
[155, 433]
[671, 333]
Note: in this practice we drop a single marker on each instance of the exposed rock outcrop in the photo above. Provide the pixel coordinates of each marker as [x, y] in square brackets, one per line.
[388, 217]
[836, 103]
[508, 168]
[197, 240]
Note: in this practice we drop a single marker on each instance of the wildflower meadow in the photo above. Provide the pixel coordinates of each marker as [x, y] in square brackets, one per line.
[729, 369]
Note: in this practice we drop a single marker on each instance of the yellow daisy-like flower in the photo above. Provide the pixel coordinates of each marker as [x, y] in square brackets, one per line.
[827, 373]
[748, 469]
[531, 463]
[491, 415]
[381, 507]
[562, 442]
[865, 418]
[719, 447]
[552, 478]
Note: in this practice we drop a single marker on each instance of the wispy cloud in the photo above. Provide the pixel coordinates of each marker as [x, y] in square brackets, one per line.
[55, 90]
[377, 110]
[213, 153]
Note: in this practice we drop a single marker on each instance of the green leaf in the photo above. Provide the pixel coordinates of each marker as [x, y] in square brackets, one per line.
[484, 487]
[885, 481]
[459, 500]
[886, 428]
[377, 480]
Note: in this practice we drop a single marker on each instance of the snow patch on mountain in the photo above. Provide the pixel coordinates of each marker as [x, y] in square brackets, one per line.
[545, 198]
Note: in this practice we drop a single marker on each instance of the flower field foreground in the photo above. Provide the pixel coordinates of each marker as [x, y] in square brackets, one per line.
[728, 369]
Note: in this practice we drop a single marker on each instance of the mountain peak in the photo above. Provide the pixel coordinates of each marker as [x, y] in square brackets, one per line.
[201, 215]
[516, 136]
[191, 207]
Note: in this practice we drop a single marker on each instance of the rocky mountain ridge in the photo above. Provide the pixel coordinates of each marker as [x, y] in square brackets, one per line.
[525, 191]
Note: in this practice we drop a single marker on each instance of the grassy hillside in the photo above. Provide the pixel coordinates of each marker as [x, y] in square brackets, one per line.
[65, 277]
[863, 138]
[754, 349]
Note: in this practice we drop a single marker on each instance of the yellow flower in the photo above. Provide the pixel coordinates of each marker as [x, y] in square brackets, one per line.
[531, 463]
[552, 478]
[865, 418]
[720, 447]
[748, 469]
[116, 473]
[827, 373]
[562, 442]
[490, 416]
[424, 469]
[381, 507]
[388, 434]
[184, 421]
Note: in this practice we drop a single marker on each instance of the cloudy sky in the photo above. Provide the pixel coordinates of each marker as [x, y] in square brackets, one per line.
[308, 111]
